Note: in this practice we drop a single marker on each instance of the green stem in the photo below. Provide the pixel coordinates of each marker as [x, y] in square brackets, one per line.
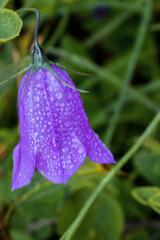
[150, 87]
[37, 21]
[129, 72]
[104, 75]
[59, 30]
[74, 226]
[108, 28]
[22, 198]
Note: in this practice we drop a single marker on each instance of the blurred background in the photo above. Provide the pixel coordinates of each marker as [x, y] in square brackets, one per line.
[117, 42]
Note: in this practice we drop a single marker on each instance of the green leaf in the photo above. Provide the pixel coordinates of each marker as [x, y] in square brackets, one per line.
[143, 194]
[3, 3]
[152, 145]
[149, 166]
[155, 199]
[140, 234]
[155, 202]
[148, 196]
[10, 25]
[18, 235]
[131, 208]
[103, 221]
[155, 208]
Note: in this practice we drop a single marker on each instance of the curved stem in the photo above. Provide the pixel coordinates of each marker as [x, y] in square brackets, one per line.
[129, 72]
[22, 198]
[37, 21]
[74, 226]
[15, 75]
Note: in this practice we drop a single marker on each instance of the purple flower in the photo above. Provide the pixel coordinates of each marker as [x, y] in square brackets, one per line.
[54, 128]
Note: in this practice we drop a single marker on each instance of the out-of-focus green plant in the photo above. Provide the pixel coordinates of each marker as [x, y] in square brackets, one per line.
[117, 42]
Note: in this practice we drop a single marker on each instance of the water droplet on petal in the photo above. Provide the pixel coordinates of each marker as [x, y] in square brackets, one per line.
[80, 150]
[36, 98]
[66, 123]
[35, 134]
[58, 95]
[88, 136]
[54, 141]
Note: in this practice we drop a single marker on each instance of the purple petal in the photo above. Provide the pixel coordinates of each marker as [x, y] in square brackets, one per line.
[77, 121]
[59, 153]
[59, 161]
[23, 155]
[55, 132]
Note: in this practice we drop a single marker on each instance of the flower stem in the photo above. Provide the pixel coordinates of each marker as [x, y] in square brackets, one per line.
[129, 72]
[22, 198]
[37, 21]
[74, 226]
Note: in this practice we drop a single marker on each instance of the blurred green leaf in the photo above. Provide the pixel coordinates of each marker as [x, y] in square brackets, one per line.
[143, 194]
[131, 208]
[3, 3]
[139, 234]
[155, 202]
[10, 25]
[19, 235]
[103, 221]
[148, 165]
[155, 199]
[153, 145]
[148, 196]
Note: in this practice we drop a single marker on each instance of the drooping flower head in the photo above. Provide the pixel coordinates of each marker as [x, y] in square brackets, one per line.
[55, 135]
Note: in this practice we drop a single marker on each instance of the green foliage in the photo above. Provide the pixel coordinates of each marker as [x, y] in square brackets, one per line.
[143, 194]
[137, 235]
[3, 3]
[148, 196]
[106, 209]
[148, 164]
[117, 42]
[10, 25]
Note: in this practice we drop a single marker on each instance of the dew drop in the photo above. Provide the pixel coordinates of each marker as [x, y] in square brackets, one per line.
[66, 124]
[36, 98]
[50, 89]
[54, 142]
[35, 134]
[80, 150]
[88, 136]
[58, 95]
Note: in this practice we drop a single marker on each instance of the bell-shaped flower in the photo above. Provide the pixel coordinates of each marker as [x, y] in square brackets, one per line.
[55, 133]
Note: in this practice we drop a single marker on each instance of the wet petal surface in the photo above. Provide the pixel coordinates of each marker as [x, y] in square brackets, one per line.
[76, 119]
[55, 132]
[23, 154]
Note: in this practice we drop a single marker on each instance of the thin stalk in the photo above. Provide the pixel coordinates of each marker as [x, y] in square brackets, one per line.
[15, 75]
[74, 226]
[104, 75]
[150, 87]
[59, 30]
[37, 21]
[129, 72]
[108, 28]
[22, 198]
[88, 5]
